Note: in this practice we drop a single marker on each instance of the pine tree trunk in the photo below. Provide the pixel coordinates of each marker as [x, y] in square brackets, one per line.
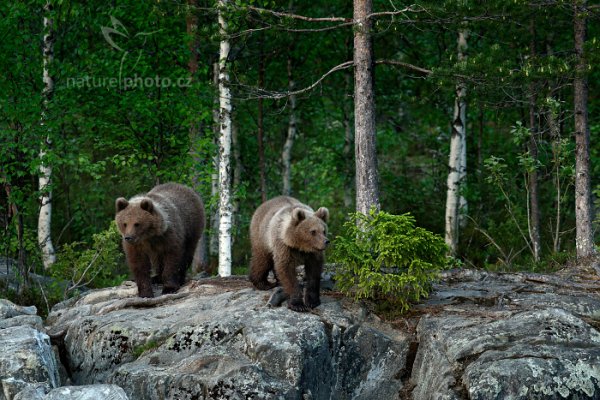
[286, 155]
[367, 175]
[584, 240]
[225, 207]
[534, 202]
[348, 145]
[45, 178]
[200, 262]
[455, 202]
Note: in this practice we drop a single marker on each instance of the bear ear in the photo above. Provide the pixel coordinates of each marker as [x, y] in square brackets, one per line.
[147, 205]
[121, 204]
[322, 213]
[298, 215]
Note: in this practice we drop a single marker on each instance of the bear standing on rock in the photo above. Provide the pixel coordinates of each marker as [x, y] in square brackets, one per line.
[285, 233]
[160, 231]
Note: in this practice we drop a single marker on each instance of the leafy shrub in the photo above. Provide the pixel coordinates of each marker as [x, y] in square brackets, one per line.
[101, 265]
[385, 257]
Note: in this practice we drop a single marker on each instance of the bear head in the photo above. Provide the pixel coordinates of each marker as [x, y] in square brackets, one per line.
[307, 231]
[139, 219]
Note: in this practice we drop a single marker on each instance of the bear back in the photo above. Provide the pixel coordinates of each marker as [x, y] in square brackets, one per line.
[169, 207]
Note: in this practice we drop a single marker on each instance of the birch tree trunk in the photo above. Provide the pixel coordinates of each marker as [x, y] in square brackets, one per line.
[286, 155]
[45, 178]
[534, 202]
[225, 207]
[457, 160]
[213, 245]
[584, 240]
[365, 150]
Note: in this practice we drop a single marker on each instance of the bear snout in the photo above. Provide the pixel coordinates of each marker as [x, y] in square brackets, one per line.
[129, 239]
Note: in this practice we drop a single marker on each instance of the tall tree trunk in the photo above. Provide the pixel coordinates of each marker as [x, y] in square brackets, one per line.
[261, 132]
[348, 145]
[286, 155]
[365, 149]
[584, 240]
[200, 262]
[213, 243]
[532, 176]
[225, 206]
[45, 178]
[457, 160]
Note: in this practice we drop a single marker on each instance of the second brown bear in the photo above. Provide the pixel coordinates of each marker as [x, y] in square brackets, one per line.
[284, 234]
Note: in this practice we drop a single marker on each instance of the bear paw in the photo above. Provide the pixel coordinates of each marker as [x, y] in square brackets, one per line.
[312, 301]
[264, 285]
[298, 305]
[169, 289]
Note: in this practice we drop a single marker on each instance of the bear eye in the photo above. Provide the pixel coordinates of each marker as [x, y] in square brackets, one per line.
[313, 232]
[125, 225]
[136, 225]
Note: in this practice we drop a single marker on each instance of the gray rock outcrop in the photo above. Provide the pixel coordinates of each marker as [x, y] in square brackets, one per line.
[509, 336]
[218, 340]
[480, 335]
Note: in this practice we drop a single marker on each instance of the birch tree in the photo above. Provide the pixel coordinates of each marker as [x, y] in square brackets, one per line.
[286, 155]
[458, 159]
[45, 177]
[584, 239]
[213, 245]
[367, 176]
[225, 206]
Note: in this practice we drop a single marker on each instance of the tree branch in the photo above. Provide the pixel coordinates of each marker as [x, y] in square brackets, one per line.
[296, 16]
[405, 65]
[264, 94]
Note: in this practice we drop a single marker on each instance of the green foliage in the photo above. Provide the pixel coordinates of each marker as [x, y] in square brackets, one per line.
[386, 257]
[100, 265]
[139, 350]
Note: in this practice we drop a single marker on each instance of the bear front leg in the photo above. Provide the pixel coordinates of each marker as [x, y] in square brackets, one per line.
[171, 275]
[260, 265]
[139, 265]
[313, 266]
[285, 268]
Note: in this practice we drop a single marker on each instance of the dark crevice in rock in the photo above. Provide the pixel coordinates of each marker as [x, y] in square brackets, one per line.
[405, 373]
[63, 355]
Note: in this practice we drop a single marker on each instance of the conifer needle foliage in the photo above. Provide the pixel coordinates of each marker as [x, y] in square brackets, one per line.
[385, 257]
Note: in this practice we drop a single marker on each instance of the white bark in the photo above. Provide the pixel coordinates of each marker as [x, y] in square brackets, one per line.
[225, 206]
[45, 178]
[367, 175]
[286, 155]
[213, 245]
[457, 163]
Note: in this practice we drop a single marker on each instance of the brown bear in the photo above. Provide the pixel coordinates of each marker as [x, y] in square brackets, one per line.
[285, 233]
[160, 231]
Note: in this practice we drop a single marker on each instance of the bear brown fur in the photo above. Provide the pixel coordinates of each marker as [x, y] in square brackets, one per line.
[285, 233]
[160, 231]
